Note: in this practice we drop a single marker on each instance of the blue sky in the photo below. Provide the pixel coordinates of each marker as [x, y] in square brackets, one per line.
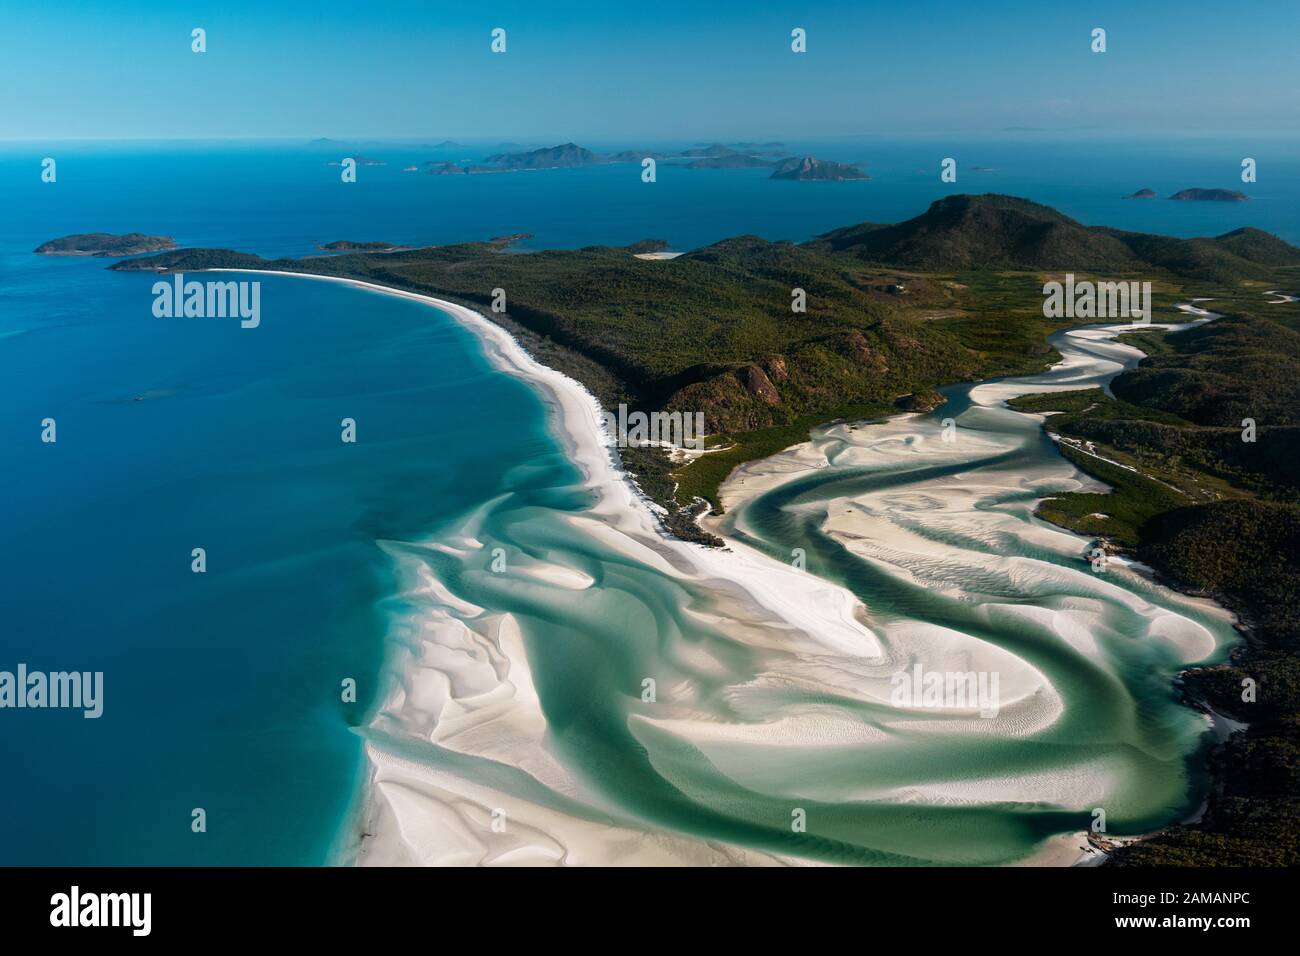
[621, 71]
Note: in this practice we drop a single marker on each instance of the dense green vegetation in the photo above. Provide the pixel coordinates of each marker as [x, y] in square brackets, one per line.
[1241, 366]
[1119, 515]
[1247, 554]
[1231, 530]
[1003, 232]
[653, 471]
[708, 472]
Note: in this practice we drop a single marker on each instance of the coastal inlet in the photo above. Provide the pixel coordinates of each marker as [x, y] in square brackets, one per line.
[604, 695]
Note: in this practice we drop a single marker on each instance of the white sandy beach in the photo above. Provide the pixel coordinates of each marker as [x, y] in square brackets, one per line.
[896, 532]
[465, 684]
[484, 703]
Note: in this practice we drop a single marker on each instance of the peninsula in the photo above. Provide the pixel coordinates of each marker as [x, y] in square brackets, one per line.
[894, 310]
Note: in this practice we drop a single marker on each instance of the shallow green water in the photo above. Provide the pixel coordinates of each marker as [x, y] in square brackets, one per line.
[752, 728]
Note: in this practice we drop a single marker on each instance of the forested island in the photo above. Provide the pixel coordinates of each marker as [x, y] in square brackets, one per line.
[347, 245]
[812, 169]
[1210, 195]
[712, 156]
[105, 244]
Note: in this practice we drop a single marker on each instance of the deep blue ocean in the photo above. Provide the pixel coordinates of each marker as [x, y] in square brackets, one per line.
[222, 689]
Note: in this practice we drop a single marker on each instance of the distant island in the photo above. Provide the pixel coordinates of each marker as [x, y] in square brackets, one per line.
[360, 161]
[731, 161]
[713, 149]
[720, 151]
[345, 245]
[1143, 194]
[1210, 195]
[772, 145]
[812, 169]
[105, 244]
[552, 157]
[711, 156]
[635, 156]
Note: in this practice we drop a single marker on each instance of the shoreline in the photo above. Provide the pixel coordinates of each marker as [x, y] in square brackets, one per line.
[773, 592]
[575, 420]
[755, 478]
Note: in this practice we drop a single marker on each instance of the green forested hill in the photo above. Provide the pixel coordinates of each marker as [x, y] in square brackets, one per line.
[1003, 232]
[983, 232]
[1241, 366]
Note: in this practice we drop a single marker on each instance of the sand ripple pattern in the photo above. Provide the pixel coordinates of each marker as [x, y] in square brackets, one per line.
[520, 729]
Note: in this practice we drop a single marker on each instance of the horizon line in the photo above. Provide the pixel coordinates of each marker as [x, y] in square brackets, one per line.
[476, 139]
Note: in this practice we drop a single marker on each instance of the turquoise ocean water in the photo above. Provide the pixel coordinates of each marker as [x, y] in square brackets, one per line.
[222, 689]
